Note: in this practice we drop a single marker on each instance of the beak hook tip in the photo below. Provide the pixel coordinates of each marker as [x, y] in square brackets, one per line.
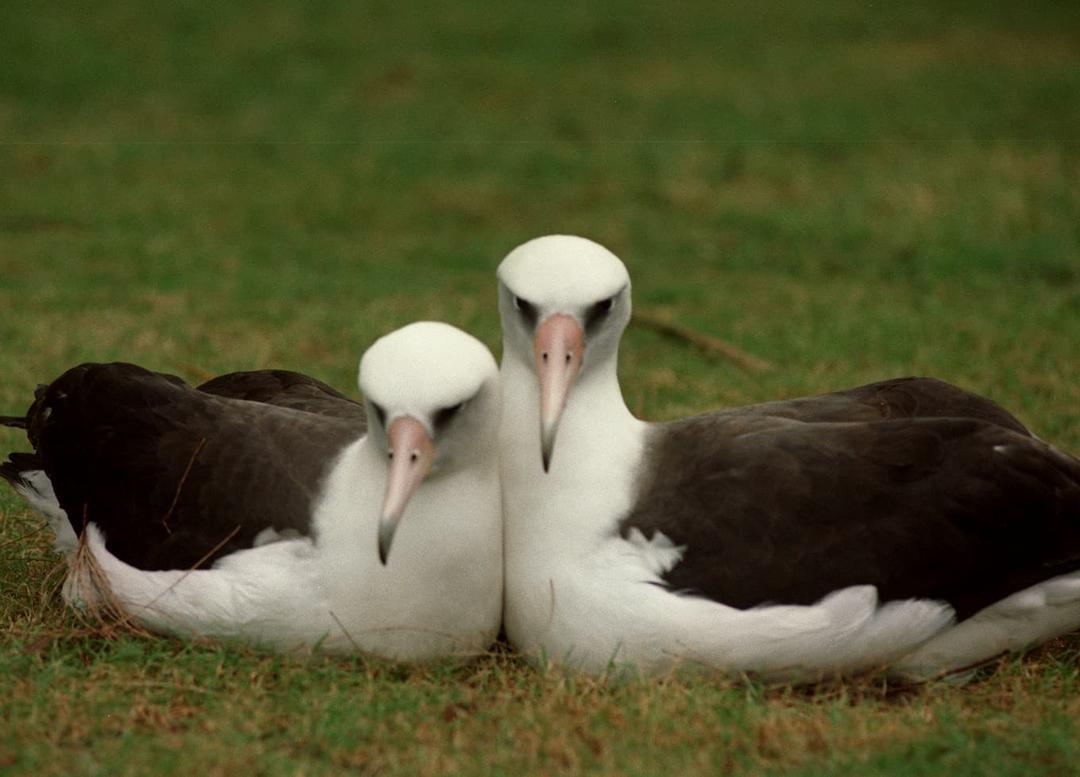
[547, 448]
[386, 537]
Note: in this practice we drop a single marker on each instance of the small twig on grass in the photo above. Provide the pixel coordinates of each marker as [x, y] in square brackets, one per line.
[712, 346]
[20, 541]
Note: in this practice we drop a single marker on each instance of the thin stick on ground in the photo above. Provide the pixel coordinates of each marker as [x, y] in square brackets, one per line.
[712, 346]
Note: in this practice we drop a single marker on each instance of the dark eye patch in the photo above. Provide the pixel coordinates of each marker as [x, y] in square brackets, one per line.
[527, 310]
[597, 312]
[380, 414]
[446, 415]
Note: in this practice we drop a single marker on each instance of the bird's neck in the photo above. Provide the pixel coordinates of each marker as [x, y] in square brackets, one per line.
[597, 449]
[449, 517]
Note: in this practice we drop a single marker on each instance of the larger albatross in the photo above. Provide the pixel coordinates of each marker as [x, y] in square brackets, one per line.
[906, 524]
[256, 508]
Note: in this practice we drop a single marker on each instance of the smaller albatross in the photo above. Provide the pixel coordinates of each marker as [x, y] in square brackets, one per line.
[256, 508]
[906, 524]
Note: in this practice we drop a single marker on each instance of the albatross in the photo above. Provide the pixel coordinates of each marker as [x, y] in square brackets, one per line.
[907, 524]
[268, 508]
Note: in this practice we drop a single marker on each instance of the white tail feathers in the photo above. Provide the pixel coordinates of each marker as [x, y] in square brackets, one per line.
[37, 490]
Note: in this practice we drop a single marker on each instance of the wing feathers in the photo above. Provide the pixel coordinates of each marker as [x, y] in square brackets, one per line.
[784, 503]
[172, 474]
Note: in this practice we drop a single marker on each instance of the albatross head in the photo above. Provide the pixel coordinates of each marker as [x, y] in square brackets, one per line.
[564, 303]
[432, 396]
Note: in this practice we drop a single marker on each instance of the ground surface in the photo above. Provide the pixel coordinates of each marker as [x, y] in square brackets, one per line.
[849, 193]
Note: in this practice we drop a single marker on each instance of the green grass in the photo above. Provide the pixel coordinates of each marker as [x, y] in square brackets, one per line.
[849, 191]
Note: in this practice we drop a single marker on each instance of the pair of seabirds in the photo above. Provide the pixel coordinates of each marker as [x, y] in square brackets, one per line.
[906, 524]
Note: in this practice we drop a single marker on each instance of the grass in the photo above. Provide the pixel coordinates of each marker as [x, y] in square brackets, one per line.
[851, 192]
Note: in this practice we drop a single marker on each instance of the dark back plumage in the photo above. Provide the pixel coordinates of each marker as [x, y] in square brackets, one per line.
[284, 388]
[895, 398]
[176, 476]
[913, 486]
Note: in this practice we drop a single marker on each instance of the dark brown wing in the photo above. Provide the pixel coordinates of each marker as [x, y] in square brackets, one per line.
[174, 476]
[772, 509]
[285, 388]
[896, 398]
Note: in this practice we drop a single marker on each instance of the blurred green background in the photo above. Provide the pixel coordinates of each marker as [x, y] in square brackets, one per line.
[851, 191]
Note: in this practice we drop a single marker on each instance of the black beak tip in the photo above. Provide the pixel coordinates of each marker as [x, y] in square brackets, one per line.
[387, 530]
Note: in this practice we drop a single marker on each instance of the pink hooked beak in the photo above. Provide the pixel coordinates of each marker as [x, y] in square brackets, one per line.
[411, 452]
[558, 347]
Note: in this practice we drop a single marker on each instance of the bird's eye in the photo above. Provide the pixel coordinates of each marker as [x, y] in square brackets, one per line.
[526, 308]
[380, 414]
[598, 312]
[446, 415]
